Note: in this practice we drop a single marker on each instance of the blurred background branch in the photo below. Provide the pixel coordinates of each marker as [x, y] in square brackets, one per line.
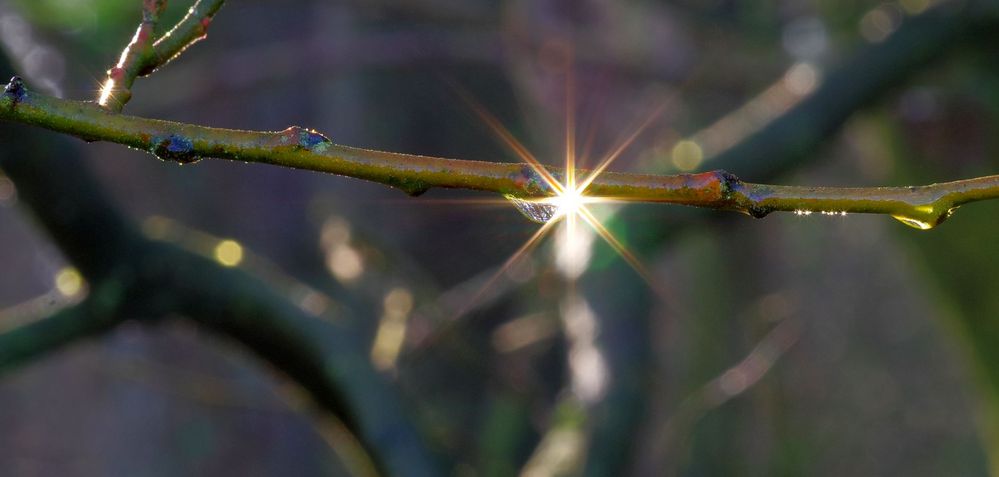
[134, 277]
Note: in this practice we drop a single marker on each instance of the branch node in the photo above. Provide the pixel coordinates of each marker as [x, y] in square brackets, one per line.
[305, 139]
[174, 148]
[729, 183]
[203, 27]
[530, 182]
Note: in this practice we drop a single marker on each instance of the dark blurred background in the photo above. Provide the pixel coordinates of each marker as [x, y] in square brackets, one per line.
[784, 346]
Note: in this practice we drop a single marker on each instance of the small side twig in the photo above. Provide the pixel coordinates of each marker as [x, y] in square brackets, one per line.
[145, 53]
[190, 30]
[730, 384]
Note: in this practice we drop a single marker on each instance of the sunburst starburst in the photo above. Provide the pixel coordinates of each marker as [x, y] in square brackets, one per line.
[569, 203]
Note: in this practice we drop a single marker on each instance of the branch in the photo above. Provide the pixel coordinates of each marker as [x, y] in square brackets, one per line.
[144, 54]
[318, 352]
[922, 207]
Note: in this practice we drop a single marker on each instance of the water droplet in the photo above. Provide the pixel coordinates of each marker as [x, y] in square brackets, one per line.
[539, 212]
[415, 190]
[914, 223]
[925, 222]
[758, 212]
[411, 187]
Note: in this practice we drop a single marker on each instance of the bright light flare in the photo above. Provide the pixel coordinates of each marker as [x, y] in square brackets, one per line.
[106, 89]
[569, 199]
[569, 202]
[508, 138]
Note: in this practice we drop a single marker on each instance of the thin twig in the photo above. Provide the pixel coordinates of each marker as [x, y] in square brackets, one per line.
[676, 433]
[190, 30]
[145, 52]
[920, 206]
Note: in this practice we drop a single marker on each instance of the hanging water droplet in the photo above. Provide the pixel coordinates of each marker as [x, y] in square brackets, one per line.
[539, 212]
[914, 223]
[925, 222]
[412, 187]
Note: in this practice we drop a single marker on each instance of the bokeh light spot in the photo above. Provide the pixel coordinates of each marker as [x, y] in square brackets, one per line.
[229, 253]
[345, 263]
[69, 282]
[391, 334]
[687, 155]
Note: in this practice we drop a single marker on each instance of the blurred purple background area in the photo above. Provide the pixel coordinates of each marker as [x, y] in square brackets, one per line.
[785, 346]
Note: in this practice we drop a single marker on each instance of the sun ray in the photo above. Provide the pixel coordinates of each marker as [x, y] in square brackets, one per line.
[520, 253]
[589, 135]
[508, 138]
[663, 105]
[569, 196]
[570, 131]
[430, 201]
[623, 251]
[610, 158]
